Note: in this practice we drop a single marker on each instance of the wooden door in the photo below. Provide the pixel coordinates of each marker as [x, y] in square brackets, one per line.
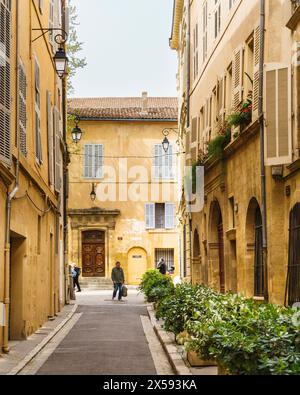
[93, 254]
[221, 257]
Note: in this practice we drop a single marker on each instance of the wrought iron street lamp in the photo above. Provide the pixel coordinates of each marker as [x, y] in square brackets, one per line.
[166, 142]
[61, 63]
[76, 132]
[60, 58]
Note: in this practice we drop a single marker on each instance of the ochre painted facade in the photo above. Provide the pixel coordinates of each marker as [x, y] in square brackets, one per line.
[32, 273]
[127, 144]
[223, 240]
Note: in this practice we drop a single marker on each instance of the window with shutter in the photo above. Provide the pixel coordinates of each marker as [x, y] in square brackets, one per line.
[278, 131]
[169, 216]
[93, 161]
[57, 175]
[22, 109]
[51, 22]
[163, 162]
[50, 139]
[238, 66]
[38, 142]
[5, 91]
[194, 129]
[256, 58]
[150, 215]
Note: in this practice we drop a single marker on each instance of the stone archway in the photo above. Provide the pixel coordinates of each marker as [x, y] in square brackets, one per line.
[216, 247]
[137, 265]
[293, 274]
[254, 272]
[197, 272]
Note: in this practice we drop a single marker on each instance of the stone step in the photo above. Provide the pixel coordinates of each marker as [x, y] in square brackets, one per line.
[96, 283]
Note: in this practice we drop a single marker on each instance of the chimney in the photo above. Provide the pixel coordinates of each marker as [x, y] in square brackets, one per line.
[145, 101]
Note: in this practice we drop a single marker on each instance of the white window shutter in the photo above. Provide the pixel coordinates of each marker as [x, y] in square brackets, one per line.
[278, 130]
[98, 161]
[169, 216]
[50, 139]
[88, 158]
[158, 160]
[255, 96]
[57, 152]
[237, 77]
[22, 109]
[150, 215]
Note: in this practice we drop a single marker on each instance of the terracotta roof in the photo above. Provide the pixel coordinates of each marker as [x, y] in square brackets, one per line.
[155, 108]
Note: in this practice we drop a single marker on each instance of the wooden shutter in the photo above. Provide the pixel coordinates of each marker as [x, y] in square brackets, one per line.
[256, 59]
[88, 161]
[50, 139]
[150, 215]
[278, 131]
[168, 164]
[194, 129]
[98, 161]
[169, 216]
[5, 81]
[221, 97]
[237, 77]
[51, 22]
[57, 176]
[38, 138]
[158, 160]
[22, 110]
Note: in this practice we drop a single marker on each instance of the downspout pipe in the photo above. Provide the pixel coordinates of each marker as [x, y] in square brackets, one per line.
[188, 88]
[262, 146]
[10, 197]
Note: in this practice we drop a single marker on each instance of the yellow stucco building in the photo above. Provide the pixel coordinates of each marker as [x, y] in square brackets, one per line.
[133, 218]
[32, 280]
[238, 57]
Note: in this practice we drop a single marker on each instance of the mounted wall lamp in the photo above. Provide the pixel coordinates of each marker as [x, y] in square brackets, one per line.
[93, 193]
[76, 132]
[60, 59]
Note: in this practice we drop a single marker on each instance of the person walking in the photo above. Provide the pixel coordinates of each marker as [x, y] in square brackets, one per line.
[162, 267]
[76, 271]
[118, 278]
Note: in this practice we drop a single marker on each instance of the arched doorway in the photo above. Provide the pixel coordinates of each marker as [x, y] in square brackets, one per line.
[217, 243]
[254, 257]
[197, 275]
[293, 275]
[137, 265]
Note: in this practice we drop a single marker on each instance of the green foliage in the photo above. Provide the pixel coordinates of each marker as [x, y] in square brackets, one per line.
[156, 286]
[73, 48]
[217, 145]
[245, 338]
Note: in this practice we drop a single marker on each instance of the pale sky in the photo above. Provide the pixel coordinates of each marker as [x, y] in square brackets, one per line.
[126, 43]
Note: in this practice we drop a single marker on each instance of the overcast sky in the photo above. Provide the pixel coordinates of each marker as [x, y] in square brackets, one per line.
[127, 49]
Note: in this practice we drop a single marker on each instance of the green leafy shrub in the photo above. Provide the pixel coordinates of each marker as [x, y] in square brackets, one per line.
[156, 286]
[217, 144]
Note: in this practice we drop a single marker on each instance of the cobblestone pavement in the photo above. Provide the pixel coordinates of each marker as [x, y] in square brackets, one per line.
[104, 337]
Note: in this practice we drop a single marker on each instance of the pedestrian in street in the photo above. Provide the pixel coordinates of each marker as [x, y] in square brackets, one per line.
[118, 278]
[162, 266]
[76, 271]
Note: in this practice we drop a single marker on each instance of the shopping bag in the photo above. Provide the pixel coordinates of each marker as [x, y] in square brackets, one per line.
[124, 291]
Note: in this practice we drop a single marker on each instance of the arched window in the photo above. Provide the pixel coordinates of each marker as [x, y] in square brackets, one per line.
[293, 275]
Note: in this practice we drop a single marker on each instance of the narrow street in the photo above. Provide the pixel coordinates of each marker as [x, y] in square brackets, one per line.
[103, 337]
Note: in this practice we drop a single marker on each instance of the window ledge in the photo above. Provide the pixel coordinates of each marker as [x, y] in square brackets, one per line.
[259, 299]
[163, 231]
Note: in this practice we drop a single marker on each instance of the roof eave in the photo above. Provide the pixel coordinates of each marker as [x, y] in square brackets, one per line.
[177, 17]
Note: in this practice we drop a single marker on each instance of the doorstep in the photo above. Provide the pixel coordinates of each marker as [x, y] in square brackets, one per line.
[22, 352]
[176, 354]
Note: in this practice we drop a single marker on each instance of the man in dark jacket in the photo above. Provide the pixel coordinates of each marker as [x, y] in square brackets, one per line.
[76, 271]
[118, 278]
[162, 267]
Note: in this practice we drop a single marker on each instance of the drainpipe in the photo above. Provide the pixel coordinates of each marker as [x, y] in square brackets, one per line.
[10, 196]
[262, 147]
[188, 61]
[65, 184]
